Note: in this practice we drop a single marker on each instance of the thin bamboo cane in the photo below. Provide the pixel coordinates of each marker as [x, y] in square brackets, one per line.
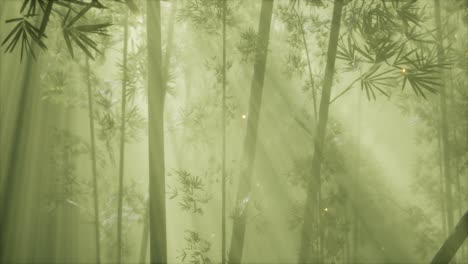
[93, 163]
[122, 141]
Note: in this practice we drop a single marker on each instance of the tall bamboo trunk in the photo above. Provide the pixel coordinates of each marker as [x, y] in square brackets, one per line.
[122, 141]
[144, 237]
[444, 125]
[465, 81]
[450, 247]
[458, 193]
[356, 223]
[165, 77]
[93, 164]
[256, 92]
[2, 92]
[223, 147]
[456, 139]
[157, 196]
[12, 171]
[320, 225]
[320, 244]
[443, 212]
[456, 159]
[2, 103]
[312, 187]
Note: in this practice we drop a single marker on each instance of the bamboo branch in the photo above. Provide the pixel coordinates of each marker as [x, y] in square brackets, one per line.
[309, 67]
[345, 90]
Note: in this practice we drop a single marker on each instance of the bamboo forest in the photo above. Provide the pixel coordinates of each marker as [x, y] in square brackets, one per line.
[233, 131]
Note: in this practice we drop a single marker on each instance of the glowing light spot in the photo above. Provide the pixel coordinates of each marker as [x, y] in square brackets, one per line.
[244, 116]
[326, 209]
[140, 19]
[403, 70]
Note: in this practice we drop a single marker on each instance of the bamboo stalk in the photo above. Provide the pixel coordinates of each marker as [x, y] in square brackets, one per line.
[321, 131]
[309, 66]
[314, 101]
[223, 150]
[10, 178]
[165, 76]
[144, 237]
[243, 194]
[441, 183]
[93, 163]
[356, 223]
[453, 242]
[465, 5]
[122, 141]
[157, 181]
[444, 128]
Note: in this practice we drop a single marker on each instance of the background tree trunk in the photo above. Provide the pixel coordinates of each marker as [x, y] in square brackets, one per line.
[165, 77]
[13, 165]
[320, 135]
[122, 142]
[157, 195]
[144, 237]
[441, 182]
[223, 147]
[453, 242]
[355, 220]
[97, 222]
[243, 194]
[444, 125]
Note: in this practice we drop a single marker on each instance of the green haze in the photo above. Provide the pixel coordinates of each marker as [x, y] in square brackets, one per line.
[233, 131]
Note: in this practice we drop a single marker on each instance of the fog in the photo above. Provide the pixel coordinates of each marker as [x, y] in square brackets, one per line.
[233, 131]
